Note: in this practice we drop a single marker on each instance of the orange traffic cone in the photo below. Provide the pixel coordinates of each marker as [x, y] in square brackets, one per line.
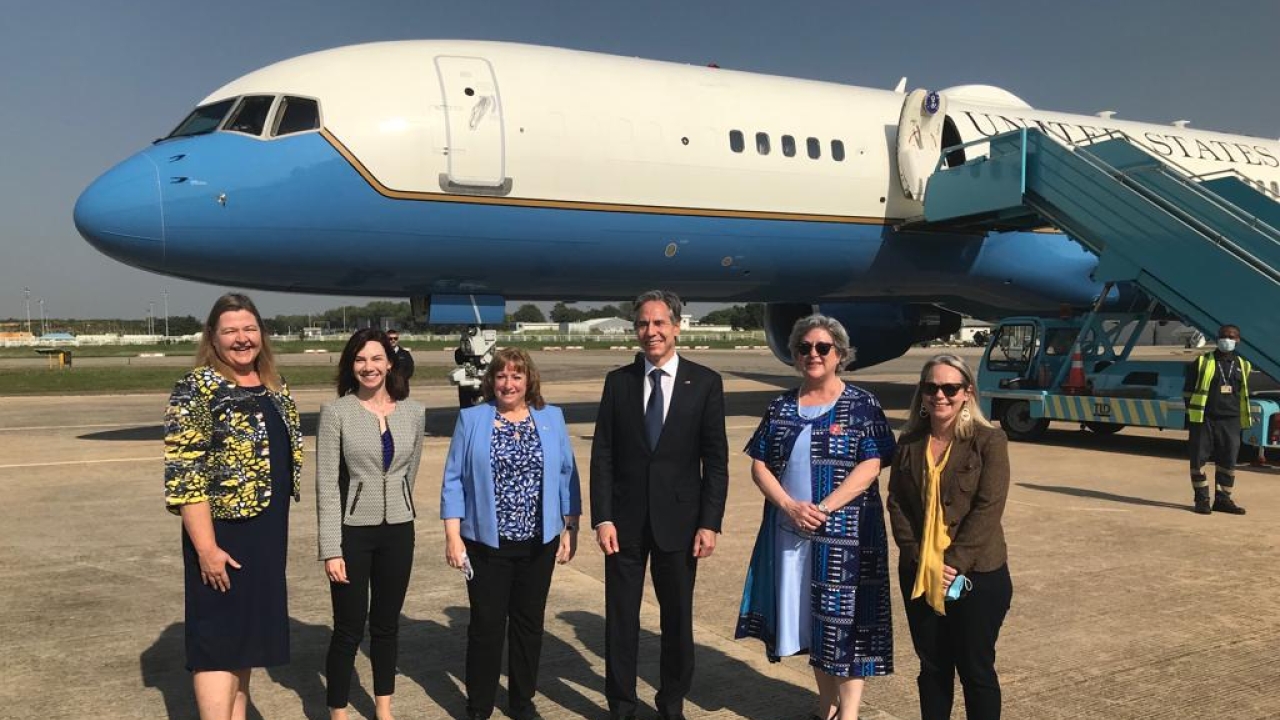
[1076, 384]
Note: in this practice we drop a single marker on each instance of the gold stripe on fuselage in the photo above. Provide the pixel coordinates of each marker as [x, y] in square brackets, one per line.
[595, 206]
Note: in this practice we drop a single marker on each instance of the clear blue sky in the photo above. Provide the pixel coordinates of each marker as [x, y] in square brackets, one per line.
[84, 84]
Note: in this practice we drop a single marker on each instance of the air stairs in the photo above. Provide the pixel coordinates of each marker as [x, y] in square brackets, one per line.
[1207, 249]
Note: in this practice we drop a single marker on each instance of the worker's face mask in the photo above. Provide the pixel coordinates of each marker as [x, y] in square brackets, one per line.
[1226, 345]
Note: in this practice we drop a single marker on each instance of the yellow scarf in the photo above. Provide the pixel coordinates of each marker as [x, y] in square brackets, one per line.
[936, 540]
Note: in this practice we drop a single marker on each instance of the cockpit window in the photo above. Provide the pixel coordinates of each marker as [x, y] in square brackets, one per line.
[204, 119]
[250, 116]
[296, 115]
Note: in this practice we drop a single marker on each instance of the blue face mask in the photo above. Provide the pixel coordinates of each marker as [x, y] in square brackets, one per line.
[1226, 345]
[958, 587]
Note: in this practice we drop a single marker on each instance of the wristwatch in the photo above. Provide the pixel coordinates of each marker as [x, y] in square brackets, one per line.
[571, 527]
[822, 507]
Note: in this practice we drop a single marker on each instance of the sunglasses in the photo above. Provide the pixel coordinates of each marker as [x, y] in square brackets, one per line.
[804, 348]
[949, 389]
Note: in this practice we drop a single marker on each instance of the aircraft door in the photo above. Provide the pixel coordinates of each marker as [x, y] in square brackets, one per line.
[473, 121]
[920, 127]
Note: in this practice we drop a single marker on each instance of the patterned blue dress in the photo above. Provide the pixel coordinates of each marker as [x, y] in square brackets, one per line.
[850, 624]
[516, 457]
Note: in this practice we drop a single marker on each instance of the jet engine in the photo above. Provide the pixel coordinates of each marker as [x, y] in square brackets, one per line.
[879, 331]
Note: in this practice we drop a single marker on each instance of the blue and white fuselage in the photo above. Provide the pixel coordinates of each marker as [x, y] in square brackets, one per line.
[427, 168]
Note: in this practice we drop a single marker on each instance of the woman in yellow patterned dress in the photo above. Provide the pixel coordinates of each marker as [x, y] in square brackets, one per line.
[233, 454]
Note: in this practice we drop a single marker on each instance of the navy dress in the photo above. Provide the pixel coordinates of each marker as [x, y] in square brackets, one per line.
[247, 626]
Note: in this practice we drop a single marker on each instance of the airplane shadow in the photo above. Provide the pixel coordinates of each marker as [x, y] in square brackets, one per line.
[1102, 495]
[1066, 436]
[441, 420]
[310, 421]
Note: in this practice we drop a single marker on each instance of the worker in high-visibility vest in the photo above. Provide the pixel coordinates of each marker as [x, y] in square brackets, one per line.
[1217, 410]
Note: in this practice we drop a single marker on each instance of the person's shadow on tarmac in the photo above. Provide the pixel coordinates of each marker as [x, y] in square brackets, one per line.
[750, 694]
[163, 666]
[434, 656]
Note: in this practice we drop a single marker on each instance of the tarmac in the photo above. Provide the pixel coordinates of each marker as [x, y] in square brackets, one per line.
[1126, 604]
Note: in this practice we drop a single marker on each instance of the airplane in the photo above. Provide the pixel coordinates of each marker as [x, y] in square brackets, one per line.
[462, 174]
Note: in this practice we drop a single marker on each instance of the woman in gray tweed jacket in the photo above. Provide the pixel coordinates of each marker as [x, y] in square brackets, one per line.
[367, 455]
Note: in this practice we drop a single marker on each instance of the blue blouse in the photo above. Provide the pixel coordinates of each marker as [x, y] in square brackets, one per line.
[388, 449]
[516, 458]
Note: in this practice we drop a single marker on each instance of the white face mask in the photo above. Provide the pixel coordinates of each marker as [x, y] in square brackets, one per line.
[1226, 345]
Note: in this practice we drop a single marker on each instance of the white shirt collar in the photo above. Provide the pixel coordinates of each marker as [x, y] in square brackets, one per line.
[667, 369]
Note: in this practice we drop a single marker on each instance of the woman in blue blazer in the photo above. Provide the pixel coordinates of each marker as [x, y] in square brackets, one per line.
[510, 504]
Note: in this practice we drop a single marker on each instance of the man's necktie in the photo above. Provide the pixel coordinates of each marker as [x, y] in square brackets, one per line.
[653, 411]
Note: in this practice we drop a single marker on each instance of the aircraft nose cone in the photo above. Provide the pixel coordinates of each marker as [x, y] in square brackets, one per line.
[120, 213]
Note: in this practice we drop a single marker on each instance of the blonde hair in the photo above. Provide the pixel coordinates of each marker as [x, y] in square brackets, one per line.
[964, 428]
[207, 352]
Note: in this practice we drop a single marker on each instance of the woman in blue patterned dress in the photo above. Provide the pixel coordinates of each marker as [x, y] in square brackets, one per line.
[819, 576]
[510, 504]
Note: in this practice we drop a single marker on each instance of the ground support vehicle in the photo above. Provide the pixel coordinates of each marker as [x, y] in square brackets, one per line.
[1025, 381]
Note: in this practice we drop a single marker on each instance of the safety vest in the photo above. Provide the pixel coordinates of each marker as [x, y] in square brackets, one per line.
[1206, 372]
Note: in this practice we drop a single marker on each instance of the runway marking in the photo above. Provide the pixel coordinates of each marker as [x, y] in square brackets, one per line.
[100, 460]
[75, 427]
[79, 462]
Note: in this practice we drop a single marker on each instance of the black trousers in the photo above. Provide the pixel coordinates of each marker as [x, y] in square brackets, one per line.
[1217, 440]
[379, 558]
[508, 597]
[962, 641]
[673, 577]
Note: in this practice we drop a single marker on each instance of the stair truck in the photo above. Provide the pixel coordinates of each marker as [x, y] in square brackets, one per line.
[1026, 380]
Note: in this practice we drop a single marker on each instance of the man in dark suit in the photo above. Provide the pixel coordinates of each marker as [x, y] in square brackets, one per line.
[402, 363]
[659, 477]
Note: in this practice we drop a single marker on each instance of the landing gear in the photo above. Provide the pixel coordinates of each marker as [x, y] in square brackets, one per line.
[475, 351]
[1015, 418]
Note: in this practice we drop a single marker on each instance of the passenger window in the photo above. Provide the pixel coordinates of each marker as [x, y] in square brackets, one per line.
[204, 119]
[250, 117]
[296, 115]
[1275, 188]
[837, 150]
[736, 141]
[815, 148]
[762, 143]
[788, 146]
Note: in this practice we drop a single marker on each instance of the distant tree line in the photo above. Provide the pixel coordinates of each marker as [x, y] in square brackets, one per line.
[741, 317]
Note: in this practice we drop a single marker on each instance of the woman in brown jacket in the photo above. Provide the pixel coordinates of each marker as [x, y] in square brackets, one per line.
[947, 492]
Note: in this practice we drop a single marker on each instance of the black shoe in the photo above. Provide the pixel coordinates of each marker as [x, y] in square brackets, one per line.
[1224, 504]
[675, 716]
[1202, 505]
[619, 716]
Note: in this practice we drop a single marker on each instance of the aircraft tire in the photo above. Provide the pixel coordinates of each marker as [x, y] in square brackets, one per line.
[1015, 419]
[1103, 428]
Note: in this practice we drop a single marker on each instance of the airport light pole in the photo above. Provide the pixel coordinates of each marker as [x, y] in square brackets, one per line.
[43, 330]
[151, 317]
[165, 293]
[27, 292]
